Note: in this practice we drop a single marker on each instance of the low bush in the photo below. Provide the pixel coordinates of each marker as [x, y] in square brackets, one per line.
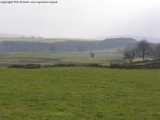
[28, 66]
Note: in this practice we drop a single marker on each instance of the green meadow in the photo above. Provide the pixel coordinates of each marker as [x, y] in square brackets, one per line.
[79, 93]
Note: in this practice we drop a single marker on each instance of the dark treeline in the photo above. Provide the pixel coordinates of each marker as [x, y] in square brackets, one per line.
[64, 46]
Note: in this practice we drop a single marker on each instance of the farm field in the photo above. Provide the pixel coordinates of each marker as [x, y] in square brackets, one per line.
[59, 58]
[79, 93]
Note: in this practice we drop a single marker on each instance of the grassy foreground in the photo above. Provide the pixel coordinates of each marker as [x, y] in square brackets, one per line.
[79, 93]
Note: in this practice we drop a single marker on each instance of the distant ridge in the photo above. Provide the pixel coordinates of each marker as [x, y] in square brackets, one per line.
[6, 35]
[24, 37]
[16, 37]
[138, 38]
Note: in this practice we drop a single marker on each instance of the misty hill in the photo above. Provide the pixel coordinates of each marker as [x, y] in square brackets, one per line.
[149, 39]
[64, 46]
[136, 37]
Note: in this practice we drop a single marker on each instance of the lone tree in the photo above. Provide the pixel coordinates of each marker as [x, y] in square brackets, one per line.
[92, 54]
[143, 48]
[129, 53]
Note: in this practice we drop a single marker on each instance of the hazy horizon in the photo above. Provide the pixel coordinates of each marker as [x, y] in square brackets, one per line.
[82, 18]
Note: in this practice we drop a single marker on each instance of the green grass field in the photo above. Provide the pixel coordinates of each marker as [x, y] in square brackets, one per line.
[79, 93]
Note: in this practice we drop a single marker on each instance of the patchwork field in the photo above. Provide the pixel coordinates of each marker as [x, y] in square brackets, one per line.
[79, 93]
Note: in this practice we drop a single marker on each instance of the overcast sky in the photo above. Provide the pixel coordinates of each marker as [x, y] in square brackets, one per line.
[82, 18]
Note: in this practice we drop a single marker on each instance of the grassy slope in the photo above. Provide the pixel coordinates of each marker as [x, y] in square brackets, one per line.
[79, 93]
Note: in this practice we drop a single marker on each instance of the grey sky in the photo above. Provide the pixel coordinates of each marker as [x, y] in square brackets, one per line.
[82, 18]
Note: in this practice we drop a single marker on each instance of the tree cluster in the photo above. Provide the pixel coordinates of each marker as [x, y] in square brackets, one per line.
[141, 49]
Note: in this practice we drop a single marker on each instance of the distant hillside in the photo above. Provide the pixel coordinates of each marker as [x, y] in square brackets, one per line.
[136, 37]
[14, 37]
[149, 39]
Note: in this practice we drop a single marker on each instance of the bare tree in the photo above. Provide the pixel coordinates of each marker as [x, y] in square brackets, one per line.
[143, 48]
[129, 53]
